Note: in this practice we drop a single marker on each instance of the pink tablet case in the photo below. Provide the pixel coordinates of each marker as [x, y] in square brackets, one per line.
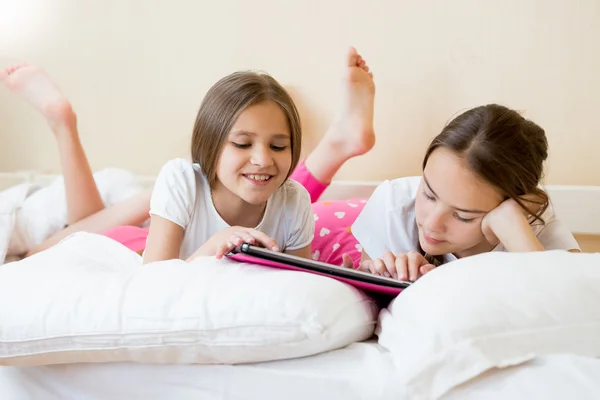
[370, 287]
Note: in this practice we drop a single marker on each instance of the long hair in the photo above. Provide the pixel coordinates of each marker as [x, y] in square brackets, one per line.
[502, 148]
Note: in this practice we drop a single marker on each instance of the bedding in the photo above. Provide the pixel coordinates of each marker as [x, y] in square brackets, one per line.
[553, 376]
[491, 310]
[361, 371]
[31, 211]
[90, 299]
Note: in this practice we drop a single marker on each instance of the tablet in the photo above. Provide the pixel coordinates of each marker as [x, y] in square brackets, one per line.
[362, 280]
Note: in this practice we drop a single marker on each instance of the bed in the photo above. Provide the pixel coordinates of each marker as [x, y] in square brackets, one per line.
[363, 370]
[360, 371]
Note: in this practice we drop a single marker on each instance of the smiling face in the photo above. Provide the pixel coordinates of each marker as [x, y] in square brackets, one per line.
[256, 157]
[450, 205]
[247, 138]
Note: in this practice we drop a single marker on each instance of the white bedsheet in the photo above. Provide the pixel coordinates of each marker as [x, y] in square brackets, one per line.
[360, 371]
[559, 376]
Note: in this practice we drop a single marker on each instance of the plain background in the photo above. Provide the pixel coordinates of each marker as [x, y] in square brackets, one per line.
[136, 72]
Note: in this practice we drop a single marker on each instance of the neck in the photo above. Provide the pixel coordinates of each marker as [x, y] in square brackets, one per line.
[234, 210]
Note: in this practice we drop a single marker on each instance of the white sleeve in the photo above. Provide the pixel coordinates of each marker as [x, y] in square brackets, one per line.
[174, 193]
[555, 236]
[302, 220]
[372, 224]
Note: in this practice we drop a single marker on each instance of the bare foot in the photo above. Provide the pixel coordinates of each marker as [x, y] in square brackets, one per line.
[32, 83]
[352, 131]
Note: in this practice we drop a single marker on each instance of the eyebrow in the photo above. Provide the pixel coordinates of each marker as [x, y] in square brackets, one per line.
[248, 133]
[456, 208]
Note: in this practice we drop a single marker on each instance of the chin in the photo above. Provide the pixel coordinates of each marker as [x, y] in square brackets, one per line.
[431, 249]
[255, 200]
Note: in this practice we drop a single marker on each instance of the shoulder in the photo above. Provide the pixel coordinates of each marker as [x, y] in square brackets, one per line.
[404, 188]
[396, 194]
[174, 194]
[392, 206]
[177, 182]
[178, 166]
[549, 218]
[553, 234]
[178, 173]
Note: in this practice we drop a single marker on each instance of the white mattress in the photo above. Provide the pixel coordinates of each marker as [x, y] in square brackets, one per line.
[558, 376]
[360, 371]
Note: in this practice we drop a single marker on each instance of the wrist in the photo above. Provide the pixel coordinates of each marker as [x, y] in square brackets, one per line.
[204, 250]
[516, 235]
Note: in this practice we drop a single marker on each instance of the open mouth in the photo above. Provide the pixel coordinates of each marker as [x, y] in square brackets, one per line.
[258, 178]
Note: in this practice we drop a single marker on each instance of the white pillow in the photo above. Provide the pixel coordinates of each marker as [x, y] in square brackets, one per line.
[491, 310]
[89, 299]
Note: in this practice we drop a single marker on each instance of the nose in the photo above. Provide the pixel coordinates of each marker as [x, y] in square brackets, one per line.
[434, 222]
[261, 156]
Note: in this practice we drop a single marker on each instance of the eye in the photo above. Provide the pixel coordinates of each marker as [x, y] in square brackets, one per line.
[241, 145]
[461, 219]
[278, 148]
[428, 197]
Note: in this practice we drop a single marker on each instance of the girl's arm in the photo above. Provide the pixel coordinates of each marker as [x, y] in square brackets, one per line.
[171, 208]
[516, 235]
[508, 224]
[164, 240]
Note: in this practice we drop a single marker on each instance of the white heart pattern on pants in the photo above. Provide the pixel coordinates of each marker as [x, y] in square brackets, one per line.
[324, 231]
[315, 255]
[339, 214]
[336, 246]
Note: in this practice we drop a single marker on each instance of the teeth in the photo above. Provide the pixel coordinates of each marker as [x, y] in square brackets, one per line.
[259, 177]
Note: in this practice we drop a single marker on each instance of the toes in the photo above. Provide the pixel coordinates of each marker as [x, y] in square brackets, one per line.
[352, 57]
[10, 70]
[15, 67]
[363, 65]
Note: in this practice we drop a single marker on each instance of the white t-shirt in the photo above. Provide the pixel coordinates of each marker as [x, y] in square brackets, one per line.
[182, 195]
[387, 223]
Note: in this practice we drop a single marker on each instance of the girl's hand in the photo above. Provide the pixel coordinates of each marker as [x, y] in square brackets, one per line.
[226, 240]
[509, 224]
[403, 266]
[347, 261]
[495, 221]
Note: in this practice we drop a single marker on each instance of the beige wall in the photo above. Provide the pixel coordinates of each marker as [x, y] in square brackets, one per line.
[589, 243]
[136, 72]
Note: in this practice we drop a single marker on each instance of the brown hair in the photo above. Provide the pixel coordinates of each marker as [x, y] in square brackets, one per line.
[503, 148]
[223, 104]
